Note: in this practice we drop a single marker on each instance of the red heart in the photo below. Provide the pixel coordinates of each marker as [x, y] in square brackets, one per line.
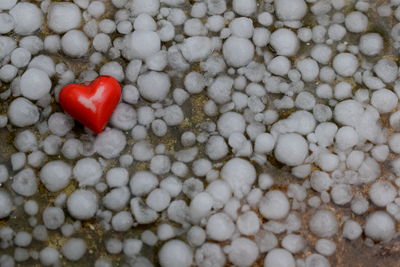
[93, 104]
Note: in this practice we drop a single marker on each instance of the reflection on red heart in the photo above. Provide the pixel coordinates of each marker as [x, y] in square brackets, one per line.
[93, 104]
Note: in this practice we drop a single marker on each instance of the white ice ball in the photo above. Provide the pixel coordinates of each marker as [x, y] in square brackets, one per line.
[238, 52]
[28, 18]
[35, 84]
[63, 16]
[82, 204]
[142, 44]
[175, 253]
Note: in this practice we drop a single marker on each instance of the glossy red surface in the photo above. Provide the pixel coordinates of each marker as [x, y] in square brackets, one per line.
[92, 104]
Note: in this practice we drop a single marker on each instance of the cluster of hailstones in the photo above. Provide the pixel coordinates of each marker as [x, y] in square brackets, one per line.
[318, 98]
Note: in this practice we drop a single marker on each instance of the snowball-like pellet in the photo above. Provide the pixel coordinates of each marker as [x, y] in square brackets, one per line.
[290, 9]
[142, 183]
[200, 206]
[345, 64]
[25, 141]
[24, 183]
[238, 52]
[158, 199]
[22, 112]
[341, 194]
[308, 68]
[394, 142]
[231, 122]
[382, 193]
[264, 143]
[380, 226]
[110, 143]
[248, 223]
[320, 181]
[82, 204]
[113, 69]
[279, 65]
[321, 53]
[53, 217]
[43, 63]
[145, 6]
[210, 254]
[274, 205]
[75, 43]
[285, 42]
[352, 230]
[27, 17]
[244, 7]
[117, 177]
[386, 69]
[55, 175]
[371, 44]
[6, 204]
[279, 257]
[62, 17]
[87, 171]
[348, 112]
[35, 84]
[49, 256]
[323, 223]
[175, 253]
[220, 227]
[240, 174]
[243, 252]
[8, 72]
[293, 243]
[356, 22]
[346, 137]
[117, 198]
[60, 124]
[7, 4]
[142, 44]
[122, 221]
[154, 86]
[20, 57]
[384, 100]
[74, 249]
[197, 48]
[291, 149]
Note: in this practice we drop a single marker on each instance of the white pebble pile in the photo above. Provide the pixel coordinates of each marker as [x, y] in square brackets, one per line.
[216, 96]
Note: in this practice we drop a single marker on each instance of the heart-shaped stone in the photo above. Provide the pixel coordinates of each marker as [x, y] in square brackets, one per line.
[91, 104]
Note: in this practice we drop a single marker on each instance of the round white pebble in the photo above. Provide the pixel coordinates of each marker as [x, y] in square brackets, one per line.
[220, 227]
[35, 84]
[280, 258]
[274, 205]
[74, 249]
[237, 51]
[175, 253]
[285, 42]
[154, 86]
[380, 226]
[290, 9]
[291, 149]
[142, 44]
[345, 64]
[75, 43]
[6, 204]
[82, 204]
[22, 112]
[63, 17]
[28, 18]
[55, 175]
